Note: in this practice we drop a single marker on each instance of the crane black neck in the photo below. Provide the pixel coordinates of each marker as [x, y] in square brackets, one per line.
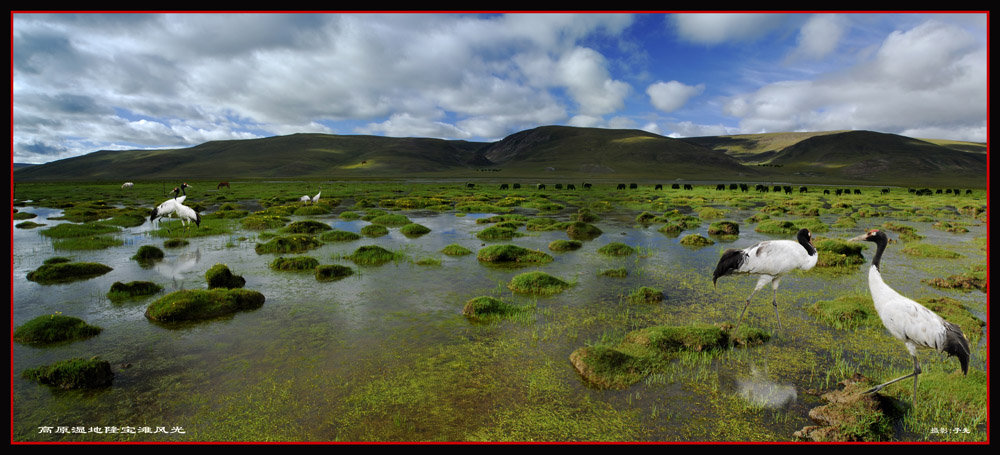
[880, 241]
[803, 238]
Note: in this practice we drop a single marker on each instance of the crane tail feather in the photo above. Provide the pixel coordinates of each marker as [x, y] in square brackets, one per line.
[957, 345]
[730, 261]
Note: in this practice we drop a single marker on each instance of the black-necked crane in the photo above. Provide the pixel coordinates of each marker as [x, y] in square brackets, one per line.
[176, 207]
[180, 190]
[771, 260]
[313, 199]
[908, 321]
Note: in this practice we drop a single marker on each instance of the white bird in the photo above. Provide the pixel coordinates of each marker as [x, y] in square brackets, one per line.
[313, 199]
[908, 321]
[770, 259]
[176, 207]
[127, 186]
[180, 190]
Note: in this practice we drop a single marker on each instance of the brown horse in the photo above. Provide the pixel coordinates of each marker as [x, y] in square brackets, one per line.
[222, 184]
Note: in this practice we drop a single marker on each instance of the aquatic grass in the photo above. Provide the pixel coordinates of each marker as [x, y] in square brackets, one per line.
[286, 244]
[374, 230]
[512, 255]
[696, 241]
[219, 276]
[616, 249]
[76, 373]
[578, 230]
[486, 308]
[614, 273]
[294, 264]
[929, 251]
[123, 291]
[260, 222]
[175, 243]
[373, 255]
[497, 233]
[332, 272]
[455, 249]
[147, 254]
[414, 230]
[306, 227]
[974, 278]
[54, 328]
[645, 294]
[847, 312]
[337, 235]
[565, 245]
[68, 230]
[390, 219]
[539, 283]
[200, 304]
[99, 242]
[29, 225]
[65, 272]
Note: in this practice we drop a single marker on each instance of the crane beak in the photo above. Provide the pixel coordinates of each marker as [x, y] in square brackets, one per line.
[860, 238]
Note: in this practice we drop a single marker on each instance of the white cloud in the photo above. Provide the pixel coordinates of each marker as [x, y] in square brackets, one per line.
[712, 28]
[819, 37]
[670, 96]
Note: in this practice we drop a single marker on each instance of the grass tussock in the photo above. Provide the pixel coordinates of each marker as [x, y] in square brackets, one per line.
[54, 328]
[200, 304]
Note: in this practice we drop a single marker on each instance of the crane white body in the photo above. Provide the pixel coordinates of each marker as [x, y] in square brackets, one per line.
[771, 260]
[127, 186]
[908, 321]
[176, 207]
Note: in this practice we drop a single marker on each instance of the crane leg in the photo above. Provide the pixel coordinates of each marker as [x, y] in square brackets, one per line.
[916, 372]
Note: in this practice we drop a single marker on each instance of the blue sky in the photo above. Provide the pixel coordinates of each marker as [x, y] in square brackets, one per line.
[88, 82]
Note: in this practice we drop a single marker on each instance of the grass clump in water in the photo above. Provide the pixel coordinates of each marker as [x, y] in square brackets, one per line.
[540, 283]
[339, 236]
[64, 272]
[487, 308]
[565, 245]
[776, 227]
[724, 229]
[306, 227]
[616, 249]
[294, 264]
[54, 328]
[74, 373]
[974, 278]
[696, 240]
[512, 255]
[332, 272]
[373, 255]
[261, 221]
[374, 230]
[456, 250]
[414, 230]
[838, 253]
[296, 243]
[68, 230]
[929, 251]
[645, 294]
[219, 276]
[175, 243]
[123, 291]
[390, 219]
[147, 254]
[609, 368]
[615, 273]
[497, 233]
[847, 312]
[200, 304]
[578, 230]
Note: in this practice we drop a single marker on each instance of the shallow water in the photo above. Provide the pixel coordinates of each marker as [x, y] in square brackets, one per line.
[386, 355]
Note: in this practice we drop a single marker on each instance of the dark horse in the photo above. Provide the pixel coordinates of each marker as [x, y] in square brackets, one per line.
[222, 184]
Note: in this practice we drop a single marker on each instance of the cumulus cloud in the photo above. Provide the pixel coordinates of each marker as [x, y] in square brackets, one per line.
[710, 29]
[931, 78]
[670, 96]
[819, 36]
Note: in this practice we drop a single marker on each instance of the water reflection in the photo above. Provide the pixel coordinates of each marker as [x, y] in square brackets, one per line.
[761, 390]
[175, 268]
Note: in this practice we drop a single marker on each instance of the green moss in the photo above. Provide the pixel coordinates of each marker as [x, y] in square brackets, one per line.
[644, 218]
[175, 243]
[261, 221]
[929, 251]
[54, 328]
[123, 291]
[724, 229]
[616, 249]
[24, 215]
[838, 253]
[28, 225]
[609, 368]
[565, 245]
[339, 236]
[296, 243]
[671, 229]
[74, 373]
[390, 219]
[645, 294]
[456, 250]
[615, 273]
[708, 213]
[350, 215]
[147, 254]
[306, 227]
[99, 242]
[697, 337]
[539, 283]
[219, 276]
[696, 240]
[414, 230]
[542, 224]
[311, 210]
[65, 272]
[485, 307]
[847, 312]
[67, 230]
[578, 230]
[512, 255]
[373, 255]
[975, 278]
[294, 264]
[374, 230]
[199, 304]
[776, 227]
[332, 272]
[497, 233]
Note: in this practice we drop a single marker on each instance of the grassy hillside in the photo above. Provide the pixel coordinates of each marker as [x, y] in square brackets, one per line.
[753, 148]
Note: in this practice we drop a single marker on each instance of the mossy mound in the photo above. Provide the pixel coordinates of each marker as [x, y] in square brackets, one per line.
[645, 218]
[565, 245]
[578, 230]
[512, 255]
[975, 278]
[485, 307]
[838, 253]
[310, 210]
[414, 230]
[339, 236]
[219, 276]
[199, 304]
[390, 219]
[497, 233]
[645, 294]
[294, 264]
[261, 221]
[122, 291]
[929, 251]
[333, 272]
[373, 255]
[175, 243]
[374, 230]
[776, 227]
[28, 225]
[616, 249]
[147, 254]
[456, 250]
[847, 312]
[851, 416]
[615, 273]
[707, 213]
[65, 272]
[586, 216]
[306, 227]
[671, 229]
[74, 373]
[69, 230]
[724, 229]
[54, 328]
[906, 233]
[542, 224]
[609, 368]
[286, 244]
[539, 283]
[646, 350]
[350, 215]
[696, 241]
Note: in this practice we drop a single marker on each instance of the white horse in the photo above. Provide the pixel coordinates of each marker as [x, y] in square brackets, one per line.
[127, 186]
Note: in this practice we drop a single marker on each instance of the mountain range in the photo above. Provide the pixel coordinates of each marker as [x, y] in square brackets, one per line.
[547, 153]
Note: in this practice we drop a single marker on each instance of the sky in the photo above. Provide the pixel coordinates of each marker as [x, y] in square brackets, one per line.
[87, 82]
